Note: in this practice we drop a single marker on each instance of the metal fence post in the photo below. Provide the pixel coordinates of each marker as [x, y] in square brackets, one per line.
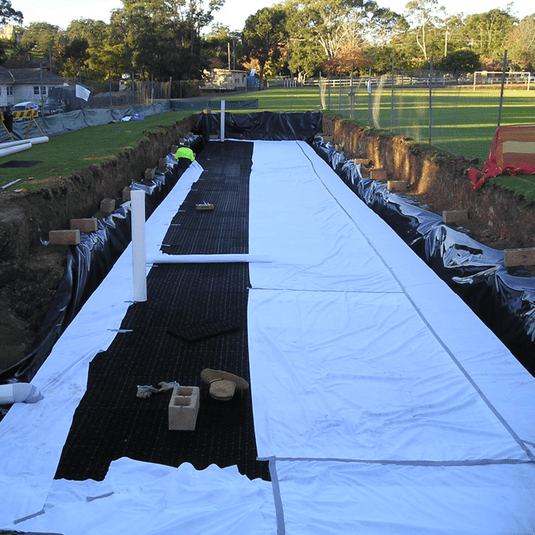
[501, 90]
[392, 97]
[430, 97]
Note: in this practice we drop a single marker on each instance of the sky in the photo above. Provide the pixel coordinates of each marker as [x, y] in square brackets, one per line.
[233, 14]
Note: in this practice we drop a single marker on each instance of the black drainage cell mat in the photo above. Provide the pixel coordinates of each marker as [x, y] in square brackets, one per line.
[198, 329]
[19, 163]
[112, 422]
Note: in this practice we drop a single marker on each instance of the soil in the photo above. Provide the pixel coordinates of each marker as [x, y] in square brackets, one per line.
[30, 271]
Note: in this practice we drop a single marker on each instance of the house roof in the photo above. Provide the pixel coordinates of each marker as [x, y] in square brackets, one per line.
[35, 76]
[5, 76]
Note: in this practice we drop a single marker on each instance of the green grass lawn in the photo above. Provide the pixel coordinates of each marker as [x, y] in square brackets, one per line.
[464, 123]
[68, 153]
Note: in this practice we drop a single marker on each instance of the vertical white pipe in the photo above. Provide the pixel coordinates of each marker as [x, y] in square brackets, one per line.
[222, 120]
[138, 245]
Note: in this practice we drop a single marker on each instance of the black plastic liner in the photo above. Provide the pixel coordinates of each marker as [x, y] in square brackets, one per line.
[504, 299]
[87, 266]
[267, 126]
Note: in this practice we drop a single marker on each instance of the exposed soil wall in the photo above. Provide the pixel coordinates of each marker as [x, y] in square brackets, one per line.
[30, 271]
[497, 217]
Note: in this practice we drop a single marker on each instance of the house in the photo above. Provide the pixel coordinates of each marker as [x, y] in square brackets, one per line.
[21, 85]
[225, 80]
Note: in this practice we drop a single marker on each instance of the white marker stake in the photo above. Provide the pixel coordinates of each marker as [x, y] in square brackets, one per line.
[222, 120]
[138, 245]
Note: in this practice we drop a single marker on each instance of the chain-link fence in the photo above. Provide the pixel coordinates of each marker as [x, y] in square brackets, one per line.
[458, 114]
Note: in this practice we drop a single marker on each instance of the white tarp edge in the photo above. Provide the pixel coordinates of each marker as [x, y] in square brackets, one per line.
[32, 436]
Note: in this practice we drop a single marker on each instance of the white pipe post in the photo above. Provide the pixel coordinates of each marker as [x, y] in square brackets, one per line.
[222, 120]
[138, 245]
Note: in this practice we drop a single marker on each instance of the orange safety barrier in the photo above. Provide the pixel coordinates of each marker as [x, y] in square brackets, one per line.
[512, 152]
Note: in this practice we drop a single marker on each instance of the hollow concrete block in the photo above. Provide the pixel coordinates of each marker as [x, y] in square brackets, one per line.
[184, 408]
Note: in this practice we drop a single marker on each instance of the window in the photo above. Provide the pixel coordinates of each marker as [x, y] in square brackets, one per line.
[9, 90]
[35, 89]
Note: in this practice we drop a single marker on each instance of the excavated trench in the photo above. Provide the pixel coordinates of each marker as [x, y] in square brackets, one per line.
[30, 271]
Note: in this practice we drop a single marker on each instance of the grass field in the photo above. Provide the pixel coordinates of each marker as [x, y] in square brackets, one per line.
[464, 122]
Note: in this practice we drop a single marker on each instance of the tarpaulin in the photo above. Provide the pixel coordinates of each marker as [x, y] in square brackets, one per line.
[512, 152]
[261, 126]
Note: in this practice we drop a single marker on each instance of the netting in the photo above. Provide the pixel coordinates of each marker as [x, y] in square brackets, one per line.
[457, 114]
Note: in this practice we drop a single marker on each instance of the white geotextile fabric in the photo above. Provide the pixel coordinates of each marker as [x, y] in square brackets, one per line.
[374, 360]
[137, 497]
[32, 436]
[345, 498]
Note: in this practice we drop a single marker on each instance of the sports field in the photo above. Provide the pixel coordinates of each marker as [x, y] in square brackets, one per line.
[463, 122]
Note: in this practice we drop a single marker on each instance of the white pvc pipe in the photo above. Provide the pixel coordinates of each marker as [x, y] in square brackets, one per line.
[16, 148]
[138, 245]
[38, 140]
[207, 259]
[19, 393]
[9, 144]
[222, 120]
[32, 141]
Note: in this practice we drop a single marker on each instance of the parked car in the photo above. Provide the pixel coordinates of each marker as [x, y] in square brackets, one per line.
[53, 106]
[24, 106]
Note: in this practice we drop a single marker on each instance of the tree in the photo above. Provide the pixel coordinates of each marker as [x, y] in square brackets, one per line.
[264, 35]
[7, 13]
[332, 24]
[488, 32]
[521, 44]
[424, 16]
[460, 61]
[305, 57]
[41, 38]
[346, 60]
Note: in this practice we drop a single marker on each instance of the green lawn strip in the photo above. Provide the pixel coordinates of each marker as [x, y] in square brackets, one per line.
[65, 154]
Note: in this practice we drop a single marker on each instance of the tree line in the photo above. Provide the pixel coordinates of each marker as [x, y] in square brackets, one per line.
[179, 39]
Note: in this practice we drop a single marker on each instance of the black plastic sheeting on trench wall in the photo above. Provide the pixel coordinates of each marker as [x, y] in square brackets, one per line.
[89, 263]
[504, 299]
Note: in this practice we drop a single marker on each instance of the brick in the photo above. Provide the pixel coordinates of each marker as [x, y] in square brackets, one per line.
[362, 161]
[162, 165]
[174, 148]
[84, 225]
[378, 174]
[149, 175]
[519, 257]
[184, 408]
[207, 111]
[454, 216]
[339, 148]
[107, 206]
[328, 139]
[64, 237]
[126, 193]
[397, 185]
